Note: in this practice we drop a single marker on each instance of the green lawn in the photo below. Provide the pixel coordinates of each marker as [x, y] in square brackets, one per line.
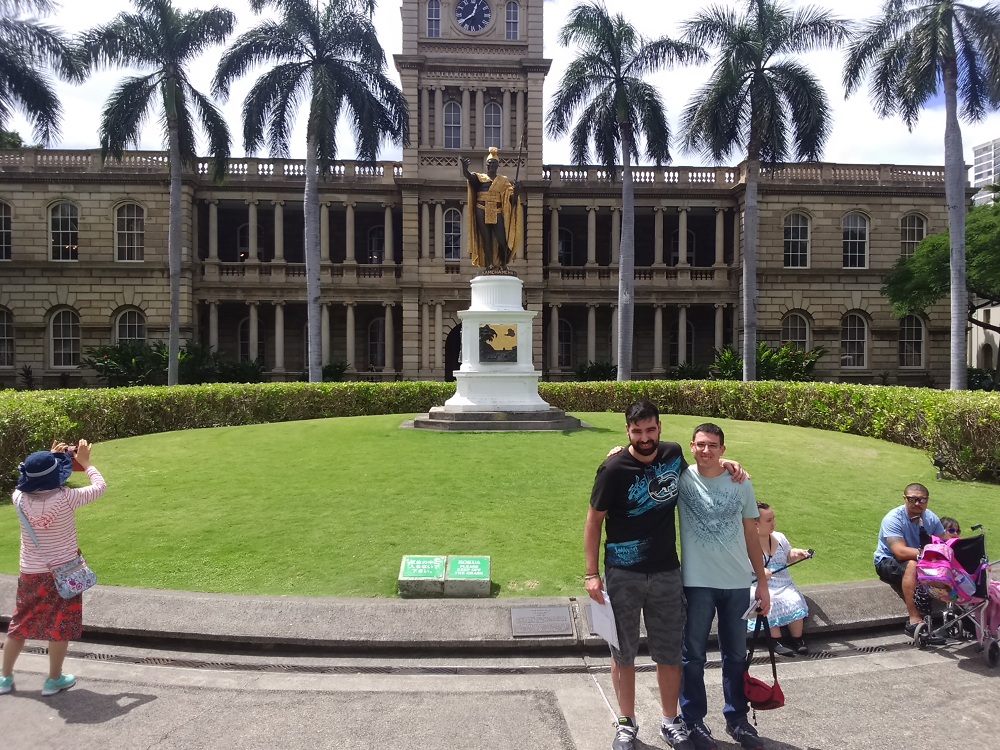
[328, 507]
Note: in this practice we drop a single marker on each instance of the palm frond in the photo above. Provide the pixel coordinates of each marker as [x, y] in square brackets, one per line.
[213, 124]
[269, 42]
[270, 105]
[26, 89]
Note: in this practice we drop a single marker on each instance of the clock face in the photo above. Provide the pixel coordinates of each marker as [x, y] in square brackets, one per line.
[473, 15]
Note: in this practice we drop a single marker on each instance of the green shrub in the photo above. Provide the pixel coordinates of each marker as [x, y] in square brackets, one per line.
[786, 362]
[334, 372]
[591, 371]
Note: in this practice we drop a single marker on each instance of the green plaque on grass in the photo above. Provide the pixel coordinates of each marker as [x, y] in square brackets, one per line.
[422, 566]
[467, 576]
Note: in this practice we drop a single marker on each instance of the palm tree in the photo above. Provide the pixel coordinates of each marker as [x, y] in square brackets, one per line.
[160, 37]
[26, 47]
[909, 51]
[616, 109]
[329, 56]
[761, 102]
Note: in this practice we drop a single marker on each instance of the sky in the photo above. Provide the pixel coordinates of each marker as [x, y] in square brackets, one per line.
[858, 135]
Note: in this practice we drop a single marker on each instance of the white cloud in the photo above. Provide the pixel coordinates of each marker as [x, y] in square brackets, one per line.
[858, 135]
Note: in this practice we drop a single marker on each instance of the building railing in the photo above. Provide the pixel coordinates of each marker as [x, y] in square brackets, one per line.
[386, 172]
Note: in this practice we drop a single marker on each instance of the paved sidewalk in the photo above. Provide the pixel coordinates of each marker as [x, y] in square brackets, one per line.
[386, 625]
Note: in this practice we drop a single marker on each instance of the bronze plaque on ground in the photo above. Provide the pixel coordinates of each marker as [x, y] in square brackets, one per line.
[536, 621]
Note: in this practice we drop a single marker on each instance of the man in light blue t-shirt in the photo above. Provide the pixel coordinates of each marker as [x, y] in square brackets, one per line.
[719, 554]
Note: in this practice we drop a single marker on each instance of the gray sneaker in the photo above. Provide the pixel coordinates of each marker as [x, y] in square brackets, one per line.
[744, 733]
[701, 737]
[625, 732]
[677, 735]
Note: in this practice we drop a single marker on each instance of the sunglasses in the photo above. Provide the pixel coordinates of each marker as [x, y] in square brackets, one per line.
[952, 530]
[916, 500]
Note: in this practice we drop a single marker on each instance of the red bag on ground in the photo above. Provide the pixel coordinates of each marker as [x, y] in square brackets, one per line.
[760, 695]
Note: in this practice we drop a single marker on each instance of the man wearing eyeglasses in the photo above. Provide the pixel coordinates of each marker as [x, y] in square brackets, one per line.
[905, 530]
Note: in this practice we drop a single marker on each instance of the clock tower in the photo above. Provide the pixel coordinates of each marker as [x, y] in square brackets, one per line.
[472, 72]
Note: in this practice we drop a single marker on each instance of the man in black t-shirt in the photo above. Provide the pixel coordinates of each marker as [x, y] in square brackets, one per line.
[634, 497]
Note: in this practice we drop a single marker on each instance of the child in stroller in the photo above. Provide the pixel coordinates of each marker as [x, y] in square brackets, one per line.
[957, 572]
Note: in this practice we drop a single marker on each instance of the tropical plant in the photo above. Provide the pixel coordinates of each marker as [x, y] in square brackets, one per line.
[617, 110]
[591, 371]
[911, 51]
[27, 48]
[165, 39]
[328, 55]
[786, 362]
[760, 102]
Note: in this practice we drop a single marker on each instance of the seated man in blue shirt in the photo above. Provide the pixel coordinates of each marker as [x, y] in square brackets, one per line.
[905, 530]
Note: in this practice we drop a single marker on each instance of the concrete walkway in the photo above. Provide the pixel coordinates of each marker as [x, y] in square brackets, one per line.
[387, 625]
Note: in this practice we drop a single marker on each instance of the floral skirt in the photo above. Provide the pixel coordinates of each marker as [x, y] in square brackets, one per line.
[40, 614]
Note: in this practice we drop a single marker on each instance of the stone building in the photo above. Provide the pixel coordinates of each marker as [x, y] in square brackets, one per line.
[83, 245]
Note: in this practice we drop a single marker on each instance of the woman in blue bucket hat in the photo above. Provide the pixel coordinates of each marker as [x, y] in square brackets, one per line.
[40, 613]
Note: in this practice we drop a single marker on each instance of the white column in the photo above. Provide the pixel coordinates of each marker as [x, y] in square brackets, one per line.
[279, 336]
[657, 236]
[213, 230]
[506, 131]
[554, 237]
[253, 343]
[616, 234]
[439, 117]
[614, 334]
[591, 332]
[480, 117]
[390, 338]
[658, 338]
[464, 241]
[466, 119]
[191, 248]
[439, 230]
[425, 120]
[737, 244]
[520, 118]
[719, 325]
[720, 236]
[324, 333]
[682, 334]
[682, 238]
[324, 231]
[252, 232]
[389, 256]
[349, 231]
[591, 235]
[438, 335]
[425, 336]
[425, 230]
[554, 338]
[213, 326]
[349, 336]
[279, 231]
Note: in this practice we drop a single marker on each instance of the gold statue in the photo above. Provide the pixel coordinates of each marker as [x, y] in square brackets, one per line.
[496, 221]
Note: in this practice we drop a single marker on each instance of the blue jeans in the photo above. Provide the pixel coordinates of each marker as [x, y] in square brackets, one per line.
[702, 605]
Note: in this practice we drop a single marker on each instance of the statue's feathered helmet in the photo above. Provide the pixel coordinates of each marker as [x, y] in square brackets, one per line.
[494, 155]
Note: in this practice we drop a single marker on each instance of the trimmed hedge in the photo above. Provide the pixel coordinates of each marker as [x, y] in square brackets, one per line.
[961, 428]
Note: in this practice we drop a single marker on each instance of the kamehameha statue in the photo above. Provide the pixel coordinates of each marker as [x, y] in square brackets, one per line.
[496, 221]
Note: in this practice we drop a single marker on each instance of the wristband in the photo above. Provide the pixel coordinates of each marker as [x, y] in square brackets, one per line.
[592, 575]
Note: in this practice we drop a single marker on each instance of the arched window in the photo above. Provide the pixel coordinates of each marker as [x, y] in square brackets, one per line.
[796, 241]
[452, 125]
[912, 229]
[6, 338]
[986, 357]
[855, 241]
[513, 21]
[565, 247]
[243, 241]
[434, 18]
[565, 344]
[795, 331]
[853, 341]
[243, 340]
[672, 359]
[453, 235]
[376, 343]
[130, 232]
[493, 124]
[911, 342]
[131, 326]
[675, 248]
[65, 235]
[376, 244]
[64, 330]
[5, 238]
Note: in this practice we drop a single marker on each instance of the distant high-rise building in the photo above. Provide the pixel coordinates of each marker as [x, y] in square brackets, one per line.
[985, 169]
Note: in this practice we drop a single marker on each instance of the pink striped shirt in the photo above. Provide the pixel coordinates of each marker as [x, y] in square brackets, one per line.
[50, 514]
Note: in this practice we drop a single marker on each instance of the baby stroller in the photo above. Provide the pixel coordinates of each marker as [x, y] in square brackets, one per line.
[957, 572]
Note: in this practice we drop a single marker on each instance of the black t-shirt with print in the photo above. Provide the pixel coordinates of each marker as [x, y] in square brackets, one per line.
[639, 500]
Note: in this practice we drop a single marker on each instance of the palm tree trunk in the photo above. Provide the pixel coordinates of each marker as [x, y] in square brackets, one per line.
[626, 262]
[311, 210]
[174, 254]
[954, 190]
[751, 221]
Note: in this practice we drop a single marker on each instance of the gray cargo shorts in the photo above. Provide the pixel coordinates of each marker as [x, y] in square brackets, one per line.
[660, 599]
